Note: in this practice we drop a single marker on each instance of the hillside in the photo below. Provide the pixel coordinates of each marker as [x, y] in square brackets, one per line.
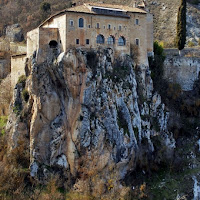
[164, 12]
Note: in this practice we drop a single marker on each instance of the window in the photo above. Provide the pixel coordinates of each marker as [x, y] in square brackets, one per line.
[120, 27]
[137, 21]
[87, 41]
[98, 26]
[104, 27]
[100, 39]
[89, 26]
[77, 41]
[111, 40]
[121, 41]
[137, 42]
[109, 26]
[81, 23]
[71, 23]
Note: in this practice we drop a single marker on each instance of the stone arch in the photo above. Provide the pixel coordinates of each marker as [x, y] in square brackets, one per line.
[100, 39]
[122, 41]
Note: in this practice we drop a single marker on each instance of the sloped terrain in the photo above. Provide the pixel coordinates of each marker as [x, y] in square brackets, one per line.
[165, 13]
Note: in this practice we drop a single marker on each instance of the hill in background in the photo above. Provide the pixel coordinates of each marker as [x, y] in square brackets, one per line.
[29, 15]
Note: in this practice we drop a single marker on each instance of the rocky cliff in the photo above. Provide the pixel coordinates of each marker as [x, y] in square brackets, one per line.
[90, 117]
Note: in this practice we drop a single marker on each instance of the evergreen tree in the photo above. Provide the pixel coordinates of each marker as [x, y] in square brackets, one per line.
[181, 26]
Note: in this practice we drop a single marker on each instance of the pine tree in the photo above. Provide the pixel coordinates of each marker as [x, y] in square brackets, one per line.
[181, 26]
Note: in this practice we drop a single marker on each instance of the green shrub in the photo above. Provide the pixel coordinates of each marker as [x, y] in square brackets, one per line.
[22, 80]
[156, 66]
[3, 121]
[45, 6]
[17, 109]
[25, 95]
[191, 44]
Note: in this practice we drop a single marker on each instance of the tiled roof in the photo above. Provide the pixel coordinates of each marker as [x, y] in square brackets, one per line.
[85, 8]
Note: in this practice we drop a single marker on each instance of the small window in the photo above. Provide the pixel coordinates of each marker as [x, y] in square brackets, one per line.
[71, 23]
[87, 41]
[98, 26]
[109, 26]
[137, 42]
[81, 23]
[114, 28]
[120, 27]
[121, 41]
[137, 21]
[89, 26]
[104, 27]
[77, 41]
[100, 39]
[111, 40]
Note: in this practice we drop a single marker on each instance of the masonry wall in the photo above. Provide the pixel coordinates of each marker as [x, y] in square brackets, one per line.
[139, 32]
[68, 34]
[59, 22]
[45, 36]
[32, 41]
[17, 68]
[182, 70]
[150, 33]
[90, 30]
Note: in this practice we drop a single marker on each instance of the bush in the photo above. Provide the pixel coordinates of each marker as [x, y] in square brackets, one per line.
[156, 66]
[3, 121]
[191, 44]
[22, 80]
[25, 95]
[45, 6]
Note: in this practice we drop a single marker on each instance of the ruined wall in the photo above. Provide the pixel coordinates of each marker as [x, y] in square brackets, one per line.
[182, 70]
[4, 68]
[17, 68]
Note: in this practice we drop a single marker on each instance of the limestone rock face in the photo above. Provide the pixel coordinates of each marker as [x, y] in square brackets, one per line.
[14, 33]
[89, 113]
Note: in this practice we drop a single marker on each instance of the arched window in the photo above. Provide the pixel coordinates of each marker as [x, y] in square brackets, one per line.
[81, 23]
[121, 41]
[53, 44]
[100, 39]
[111, 40]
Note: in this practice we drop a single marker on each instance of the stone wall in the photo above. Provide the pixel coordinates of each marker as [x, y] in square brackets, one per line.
[17, 68]
[4, 68]
[182, 70]
[12, 47]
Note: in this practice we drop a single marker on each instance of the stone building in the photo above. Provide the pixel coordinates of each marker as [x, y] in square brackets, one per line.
[92, 25]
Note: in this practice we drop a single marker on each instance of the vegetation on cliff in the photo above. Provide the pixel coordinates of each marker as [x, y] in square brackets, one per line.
[181, 26]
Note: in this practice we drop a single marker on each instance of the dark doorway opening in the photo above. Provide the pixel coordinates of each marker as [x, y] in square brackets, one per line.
[53, 44]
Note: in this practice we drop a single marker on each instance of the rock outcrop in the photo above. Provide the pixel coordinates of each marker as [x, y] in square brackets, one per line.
[14, 33]
[90, 116]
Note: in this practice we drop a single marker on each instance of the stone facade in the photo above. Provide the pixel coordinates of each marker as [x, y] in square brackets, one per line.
[119, 27]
